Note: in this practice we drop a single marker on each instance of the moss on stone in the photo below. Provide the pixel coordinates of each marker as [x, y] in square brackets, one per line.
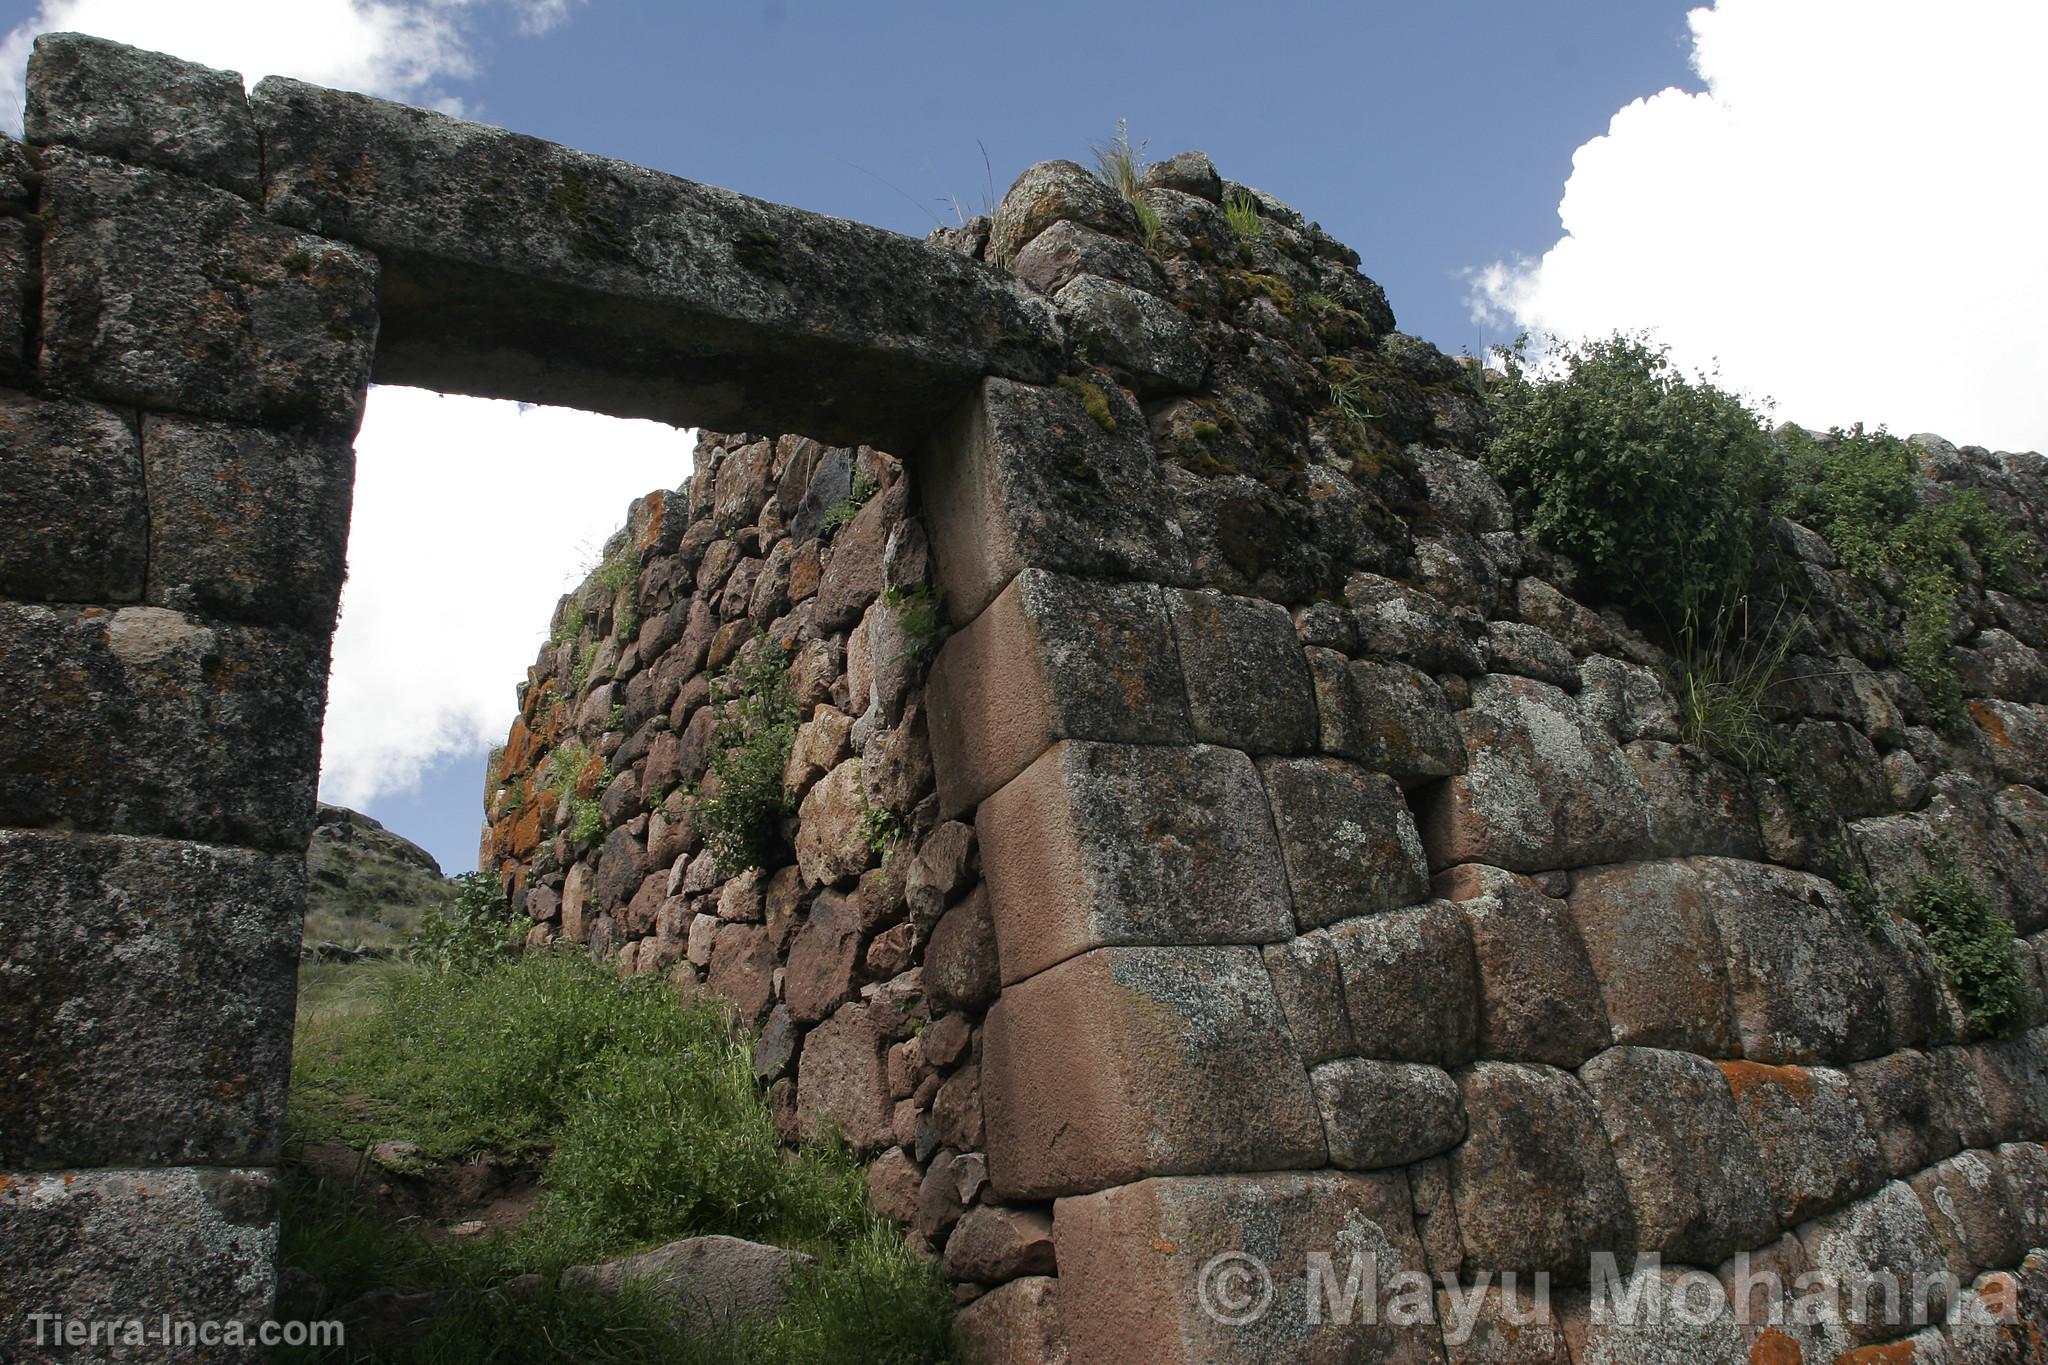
[1093, 400]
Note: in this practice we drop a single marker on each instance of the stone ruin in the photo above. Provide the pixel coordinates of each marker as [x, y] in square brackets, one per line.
[1263, 853]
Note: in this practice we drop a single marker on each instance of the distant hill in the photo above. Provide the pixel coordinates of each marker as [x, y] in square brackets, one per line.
[367, 887]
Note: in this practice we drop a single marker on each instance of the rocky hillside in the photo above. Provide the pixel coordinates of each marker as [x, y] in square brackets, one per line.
[366, 887]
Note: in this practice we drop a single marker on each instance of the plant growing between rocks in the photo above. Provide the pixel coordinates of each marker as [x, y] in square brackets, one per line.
[1973, 942]
[757, 723]
[1121, 166]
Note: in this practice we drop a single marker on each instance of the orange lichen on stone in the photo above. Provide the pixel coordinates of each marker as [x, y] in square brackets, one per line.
[1773, 1347]
[1744, 1076]
[1892, 1353]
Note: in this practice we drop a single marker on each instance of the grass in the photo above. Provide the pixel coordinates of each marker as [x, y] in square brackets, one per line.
[848, 507]
[1121, 166]
[1241, 211]
[645, 1117]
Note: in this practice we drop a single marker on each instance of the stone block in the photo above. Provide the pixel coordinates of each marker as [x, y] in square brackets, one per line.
[1818, 1152]
[1649, 931]
[961, 969]
[1397, 622]
[196, 1243]
[1920, 1106]
[74, 518]
[1697, 804]
[143, 721]
[247, 524]
[1884, 1239]
[842, 1081]
[1411, 988]
[993, 1244]
[1051, 658]
[1023, 477]
[146, 995]
[1678, 1317]
[164, 293]
[1248, 683]
[1693, 1174]
[1379, 1114]
[1140, 1277]
[2014, 739]
[1128, 1062]
[1053, 192]
[1389, 717]
[144, 108]
[1066, 250]
[1539, 1000]
[1803, 984]
[515, 266]
[1542, 788]
[1106, 844]
[1349, 842]
[1535, 1183]
[824, 958]
[1136, 334]
[17, 280]
[1311, 994]
[1974, 1212]
[1015, 1324]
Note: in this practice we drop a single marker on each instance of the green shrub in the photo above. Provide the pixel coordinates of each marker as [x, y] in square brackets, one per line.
[1659, 484]
[750, 745]
[1974, 944]
[571, 625]
[470, 933]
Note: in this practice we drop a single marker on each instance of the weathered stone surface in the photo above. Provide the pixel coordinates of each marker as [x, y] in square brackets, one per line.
[853, 567]
[1389, 717]
[961, 970]
[17, 277]
[1311, 994]
[1648, 929]
[244, 523]
[1693, 1175]
[1974, 1213]
[1627, 700]
[896, 766]
[1378, 1114]
[74, 519]
[137, 1244]
[1535, 1183]
[1512, 647]
[1054, 192]
[273, 325]
[842, 1081]
[1023, 477]
[1803, 984]
[1697, 804]
[1542, 787]
[1920, 1106]
[743, 970]
[1052, 658]
[2015, 739]
[1348, 840]
[1884, 1235]
[1066, 250]
[821, 744]
[945, 865]
[143, 108]
[1134, 333]
[2012, 1074]
[1679, 1317]
[735, 307]
[1497, 1324]
[122, 1044]
[209, 732]
[832, 844]
[824, 958]
[1132, 1266]
[1539, 1000]
[1397, 622]
[991, 1245]
[1126, 1062]
[1411, 989]
[1103, 844]
[1817, 1151]
[704, 1282]
[1015, 1324]
[1248, 684]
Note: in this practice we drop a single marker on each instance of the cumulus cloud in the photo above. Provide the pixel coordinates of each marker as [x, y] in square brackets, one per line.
[1848, 218]
[409, 50]
[471, 518]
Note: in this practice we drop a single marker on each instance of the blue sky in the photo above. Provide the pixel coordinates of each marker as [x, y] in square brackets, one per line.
[1819, 195]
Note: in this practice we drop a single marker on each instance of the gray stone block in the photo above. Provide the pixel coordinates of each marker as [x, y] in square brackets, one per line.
[1248, 684]
[247, 524]
[146, 993]
[514, 268]
[165, 293]
[1134, 333]
[1349, 842]
[144, 721]
[73, 516]
[200, 1244]
[1378, 1114]
[17, 277]
[1390, 717]
[1411, 990]
[143, 108]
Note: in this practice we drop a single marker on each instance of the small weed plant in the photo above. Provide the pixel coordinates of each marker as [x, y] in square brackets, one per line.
[1241, 211]
[848, 507]
[750, 746]
[470, 933]
[1973, 942]
[1121, 166]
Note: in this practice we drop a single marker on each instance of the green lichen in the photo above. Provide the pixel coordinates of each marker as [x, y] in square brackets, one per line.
[1093, 400]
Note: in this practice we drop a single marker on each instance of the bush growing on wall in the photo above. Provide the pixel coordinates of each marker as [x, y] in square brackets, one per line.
[749, 749]
[1660, 484]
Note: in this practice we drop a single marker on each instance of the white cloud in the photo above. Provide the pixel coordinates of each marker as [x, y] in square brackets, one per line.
[471, 518]
[1849, 218]
[401, 49]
